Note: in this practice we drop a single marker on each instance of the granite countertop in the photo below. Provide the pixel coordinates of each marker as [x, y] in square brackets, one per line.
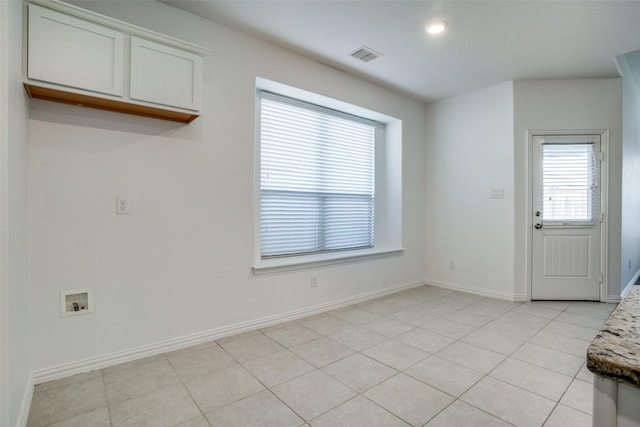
[615, 351]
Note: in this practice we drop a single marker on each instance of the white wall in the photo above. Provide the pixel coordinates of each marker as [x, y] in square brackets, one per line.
[15, 379]
[179, 264]
[469, 152]
[629, 66]
[568, 105]
[478, 141]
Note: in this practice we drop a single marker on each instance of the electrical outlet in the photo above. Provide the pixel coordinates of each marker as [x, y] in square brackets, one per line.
[314, 281]
[122, 205]
[452, 265]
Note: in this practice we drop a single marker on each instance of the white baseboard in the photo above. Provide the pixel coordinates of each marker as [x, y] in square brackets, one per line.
[613, 299]
[99, 362]
[25, 405]
[478, 291]
[625, 291]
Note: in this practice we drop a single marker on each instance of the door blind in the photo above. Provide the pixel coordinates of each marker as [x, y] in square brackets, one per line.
[316, 179]
[569, 179]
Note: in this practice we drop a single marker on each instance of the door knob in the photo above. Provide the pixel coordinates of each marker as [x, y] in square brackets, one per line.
[538, 226]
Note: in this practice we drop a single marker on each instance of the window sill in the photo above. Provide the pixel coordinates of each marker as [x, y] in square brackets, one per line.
[312, 261]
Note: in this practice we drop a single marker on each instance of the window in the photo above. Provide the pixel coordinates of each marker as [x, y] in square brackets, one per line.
[569, 174]
[317, 179]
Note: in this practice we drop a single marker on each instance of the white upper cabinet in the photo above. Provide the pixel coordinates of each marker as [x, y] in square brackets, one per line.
[80, 57]
[73, 52]
[165, 75]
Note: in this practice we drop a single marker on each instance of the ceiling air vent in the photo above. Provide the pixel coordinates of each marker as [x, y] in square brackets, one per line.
[365, 54]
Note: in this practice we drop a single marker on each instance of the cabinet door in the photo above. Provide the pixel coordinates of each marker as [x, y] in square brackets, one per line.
[164, 75]
[72, 52]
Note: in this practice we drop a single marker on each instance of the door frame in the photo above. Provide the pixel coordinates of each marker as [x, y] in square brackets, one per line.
[604, 203]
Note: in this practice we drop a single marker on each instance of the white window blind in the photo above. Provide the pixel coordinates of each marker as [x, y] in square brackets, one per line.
[569, 179]
[316, 179]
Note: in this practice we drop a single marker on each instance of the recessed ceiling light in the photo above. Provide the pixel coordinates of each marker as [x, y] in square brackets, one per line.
[436, 27]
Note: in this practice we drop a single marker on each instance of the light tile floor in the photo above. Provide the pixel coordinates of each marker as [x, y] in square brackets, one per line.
[423, 357]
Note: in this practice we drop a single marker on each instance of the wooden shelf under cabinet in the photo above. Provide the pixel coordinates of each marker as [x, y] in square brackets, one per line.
[56, 95]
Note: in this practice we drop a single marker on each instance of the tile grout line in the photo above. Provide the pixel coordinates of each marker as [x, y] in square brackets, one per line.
[184, 385]
[106, 397]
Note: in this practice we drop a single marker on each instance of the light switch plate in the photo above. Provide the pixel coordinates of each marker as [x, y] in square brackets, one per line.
[496, 193]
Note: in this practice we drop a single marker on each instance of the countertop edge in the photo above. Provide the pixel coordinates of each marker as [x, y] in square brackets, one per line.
[615, 352]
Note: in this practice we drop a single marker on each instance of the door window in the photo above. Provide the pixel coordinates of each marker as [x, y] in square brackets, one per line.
[569, 172]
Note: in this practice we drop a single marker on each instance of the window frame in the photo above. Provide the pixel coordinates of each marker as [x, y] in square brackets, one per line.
[387, 193]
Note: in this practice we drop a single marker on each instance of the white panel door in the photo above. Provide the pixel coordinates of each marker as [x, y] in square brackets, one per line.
[566, 218]
[72, 52]
[164, 75]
